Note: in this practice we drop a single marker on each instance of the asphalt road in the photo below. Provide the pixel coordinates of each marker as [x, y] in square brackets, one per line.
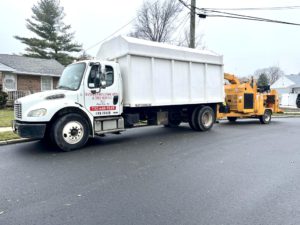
[245, 173]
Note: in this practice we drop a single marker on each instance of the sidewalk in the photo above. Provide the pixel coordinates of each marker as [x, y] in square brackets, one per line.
[4, 129]
[13, 140]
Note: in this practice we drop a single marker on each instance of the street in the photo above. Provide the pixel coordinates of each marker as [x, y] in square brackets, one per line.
[243, 173]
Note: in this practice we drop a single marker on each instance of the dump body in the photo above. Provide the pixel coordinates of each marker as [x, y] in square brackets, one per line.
[156, 74]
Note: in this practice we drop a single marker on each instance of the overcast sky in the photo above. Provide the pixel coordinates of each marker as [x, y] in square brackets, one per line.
[245, 45]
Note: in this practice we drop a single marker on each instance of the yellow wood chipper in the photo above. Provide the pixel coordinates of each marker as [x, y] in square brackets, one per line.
[247, 100]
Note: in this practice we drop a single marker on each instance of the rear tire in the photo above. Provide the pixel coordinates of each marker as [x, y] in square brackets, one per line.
[266, 118]
[193, 118]
[70, 132]
[205, 118]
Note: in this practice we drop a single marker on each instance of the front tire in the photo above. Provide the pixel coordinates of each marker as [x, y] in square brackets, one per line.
[266, 118]
[70, 132]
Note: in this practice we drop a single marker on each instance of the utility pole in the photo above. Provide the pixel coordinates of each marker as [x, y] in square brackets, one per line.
[192, 24]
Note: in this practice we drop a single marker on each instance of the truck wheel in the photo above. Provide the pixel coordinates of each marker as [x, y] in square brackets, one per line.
[231, 119]
[70, 132]
[193, 118]
[205, 118]
[266, 118]
[298, 101]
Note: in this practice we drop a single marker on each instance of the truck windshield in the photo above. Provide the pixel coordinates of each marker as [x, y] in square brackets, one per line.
[71, 77]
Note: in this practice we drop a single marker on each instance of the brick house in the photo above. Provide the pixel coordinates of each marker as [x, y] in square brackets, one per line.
[20, 75]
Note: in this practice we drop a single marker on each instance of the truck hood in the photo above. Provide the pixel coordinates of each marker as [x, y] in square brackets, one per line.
[47, 95]
[52, 101]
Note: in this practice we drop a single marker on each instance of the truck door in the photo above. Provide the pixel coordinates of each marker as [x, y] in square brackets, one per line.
[105, 101]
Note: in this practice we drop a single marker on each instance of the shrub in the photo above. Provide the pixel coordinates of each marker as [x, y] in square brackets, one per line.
[3, 99]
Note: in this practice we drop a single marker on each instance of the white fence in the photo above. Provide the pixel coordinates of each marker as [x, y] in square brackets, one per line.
[14, 95]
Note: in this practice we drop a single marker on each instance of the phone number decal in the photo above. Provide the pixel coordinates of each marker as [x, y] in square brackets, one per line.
[102, 108]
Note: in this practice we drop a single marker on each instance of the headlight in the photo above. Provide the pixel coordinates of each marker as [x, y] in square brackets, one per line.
[37, 113]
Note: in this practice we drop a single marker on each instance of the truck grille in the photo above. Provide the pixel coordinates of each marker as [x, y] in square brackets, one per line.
[18, 111]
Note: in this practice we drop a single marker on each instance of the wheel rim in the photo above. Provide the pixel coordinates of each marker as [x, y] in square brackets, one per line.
[207, 119]
[73, 132]
[267, 116]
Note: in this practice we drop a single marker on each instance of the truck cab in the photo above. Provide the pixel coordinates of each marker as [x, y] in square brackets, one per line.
[87, 101]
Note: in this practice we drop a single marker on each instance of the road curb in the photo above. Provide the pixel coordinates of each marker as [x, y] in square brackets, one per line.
[15, 141]
[287, 116]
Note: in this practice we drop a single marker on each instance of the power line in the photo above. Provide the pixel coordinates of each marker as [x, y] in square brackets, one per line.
[121, 28]
[118, 30]
[239, 16]
[183, 21]
[258, 8]
[181, 25]
[261, 20]
[184, 4]
[204, 13]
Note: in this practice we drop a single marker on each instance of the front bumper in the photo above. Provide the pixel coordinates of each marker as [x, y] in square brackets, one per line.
[29, 130]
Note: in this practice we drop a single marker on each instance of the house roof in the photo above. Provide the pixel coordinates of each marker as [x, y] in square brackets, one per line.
[6, 68]
[288, 81]
[295, 79]
[28, 65]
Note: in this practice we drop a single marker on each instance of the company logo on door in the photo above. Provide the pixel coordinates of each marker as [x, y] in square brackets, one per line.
[102, 108]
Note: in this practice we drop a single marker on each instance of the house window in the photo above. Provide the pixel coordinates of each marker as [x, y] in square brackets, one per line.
[46, 83]
[10, 83]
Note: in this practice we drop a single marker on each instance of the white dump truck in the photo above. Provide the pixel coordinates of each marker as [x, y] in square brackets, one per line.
[131, 82]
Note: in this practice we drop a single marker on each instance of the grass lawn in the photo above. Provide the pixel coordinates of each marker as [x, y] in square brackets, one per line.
[8, 135]
[6, 116]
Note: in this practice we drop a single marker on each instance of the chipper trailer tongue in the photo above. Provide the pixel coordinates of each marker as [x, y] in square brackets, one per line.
[246, 100]
[131, 80]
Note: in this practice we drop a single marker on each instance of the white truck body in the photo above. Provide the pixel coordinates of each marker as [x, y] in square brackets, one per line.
[156, 74]
[131, 81]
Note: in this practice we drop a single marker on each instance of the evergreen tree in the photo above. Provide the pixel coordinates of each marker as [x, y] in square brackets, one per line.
[263, 80]
[53, 39]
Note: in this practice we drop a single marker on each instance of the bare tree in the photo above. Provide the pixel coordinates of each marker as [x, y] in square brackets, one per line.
[155, 21]
[184, 40]
[84, 56]
[273, 73]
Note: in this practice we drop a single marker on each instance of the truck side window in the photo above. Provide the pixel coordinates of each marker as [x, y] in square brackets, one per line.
[109, 75]
[93, 79]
